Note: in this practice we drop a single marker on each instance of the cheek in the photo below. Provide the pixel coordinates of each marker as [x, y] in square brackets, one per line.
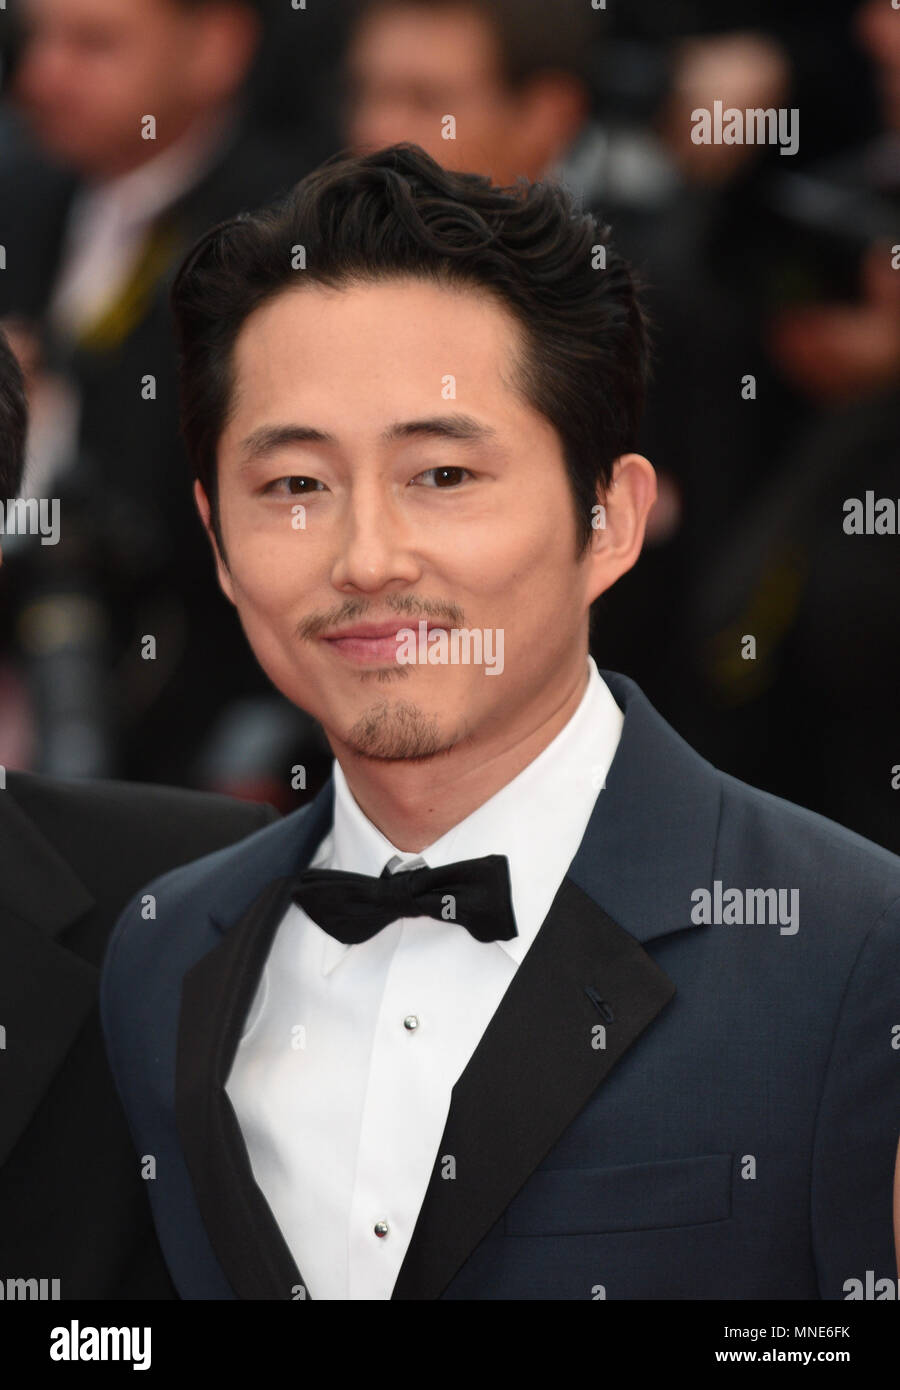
[522, 555]
[270, 611]
[272, 557]
[269, 582]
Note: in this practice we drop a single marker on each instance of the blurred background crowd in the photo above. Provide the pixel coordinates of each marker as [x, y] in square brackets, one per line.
[772, 282]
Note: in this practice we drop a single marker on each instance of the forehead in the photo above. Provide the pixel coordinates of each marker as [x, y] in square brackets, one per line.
[399, 39]
[380, 346]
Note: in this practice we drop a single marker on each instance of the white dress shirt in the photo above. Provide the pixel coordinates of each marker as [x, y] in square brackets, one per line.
[341, 1081]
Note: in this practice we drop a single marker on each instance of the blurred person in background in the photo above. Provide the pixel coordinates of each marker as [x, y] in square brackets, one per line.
[132, 140]
[710, 268]
[73, 1195]
[510, 75]
[514, 88]
[814, 715]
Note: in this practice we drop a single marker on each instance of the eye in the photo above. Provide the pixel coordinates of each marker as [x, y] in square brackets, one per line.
[441, 475]
[291, 479]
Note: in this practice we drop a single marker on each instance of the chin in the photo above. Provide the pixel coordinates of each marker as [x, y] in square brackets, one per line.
[399, 730]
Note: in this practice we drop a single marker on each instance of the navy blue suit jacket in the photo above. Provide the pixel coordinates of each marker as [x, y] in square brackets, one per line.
[659, 1108]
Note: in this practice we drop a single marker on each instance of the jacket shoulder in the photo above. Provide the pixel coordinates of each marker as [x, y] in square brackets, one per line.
[118, 835]
[839, 871]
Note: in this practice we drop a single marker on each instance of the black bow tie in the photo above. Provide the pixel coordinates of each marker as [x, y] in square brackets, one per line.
[352, 907]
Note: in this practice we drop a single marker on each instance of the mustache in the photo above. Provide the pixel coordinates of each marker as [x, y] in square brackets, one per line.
[403, 605]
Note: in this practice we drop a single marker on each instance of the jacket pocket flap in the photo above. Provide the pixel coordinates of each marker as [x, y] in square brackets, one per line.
[638, 1196]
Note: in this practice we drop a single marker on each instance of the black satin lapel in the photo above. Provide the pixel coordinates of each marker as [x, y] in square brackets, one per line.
[216, 995]
[533, 1071]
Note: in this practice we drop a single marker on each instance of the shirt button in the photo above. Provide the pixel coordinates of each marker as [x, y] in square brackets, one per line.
[410, 1023]
[381, 1229]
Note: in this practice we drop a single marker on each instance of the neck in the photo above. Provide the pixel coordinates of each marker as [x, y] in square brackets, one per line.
[414, 803]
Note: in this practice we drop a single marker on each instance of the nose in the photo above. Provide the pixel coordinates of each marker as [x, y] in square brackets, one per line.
[375, 547]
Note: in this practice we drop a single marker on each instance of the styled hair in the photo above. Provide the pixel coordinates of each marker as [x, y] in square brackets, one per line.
[13, 421]
[397, 213]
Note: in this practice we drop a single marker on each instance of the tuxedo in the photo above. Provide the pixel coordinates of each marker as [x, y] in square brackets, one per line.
[661, 1106]
[342, 1126]
[73, 1206]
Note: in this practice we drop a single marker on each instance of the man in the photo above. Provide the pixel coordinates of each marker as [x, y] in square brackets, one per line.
[139, 141]
[839, 345]
[531, 1002]
[73, 1204]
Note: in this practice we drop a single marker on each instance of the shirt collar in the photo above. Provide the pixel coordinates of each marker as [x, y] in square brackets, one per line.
[537, 820]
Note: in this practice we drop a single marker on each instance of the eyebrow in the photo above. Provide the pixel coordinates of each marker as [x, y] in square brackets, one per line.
[268, 438]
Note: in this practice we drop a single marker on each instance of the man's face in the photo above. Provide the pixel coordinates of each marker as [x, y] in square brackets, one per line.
[92, 69]
[407, 69]
[403, 521]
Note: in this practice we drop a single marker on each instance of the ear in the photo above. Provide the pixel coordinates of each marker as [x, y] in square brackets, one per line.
[203, 508]
[553, 108]
[228, 36]
[620, 520]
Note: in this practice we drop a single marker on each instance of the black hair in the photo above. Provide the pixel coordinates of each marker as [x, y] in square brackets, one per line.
[397, 213]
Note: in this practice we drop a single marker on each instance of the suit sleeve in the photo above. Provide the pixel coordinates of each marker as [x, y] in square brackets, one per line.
[858, 1122]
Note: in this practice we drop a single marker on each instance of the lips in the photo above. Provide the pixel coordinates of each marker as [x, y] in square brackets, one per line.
[372, 643]
[368, 630]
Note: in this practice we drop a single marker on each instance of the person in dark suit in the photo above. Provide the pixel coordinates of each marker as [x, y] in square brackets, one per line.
[531, 1002]
[135, 139]
[73, 1194]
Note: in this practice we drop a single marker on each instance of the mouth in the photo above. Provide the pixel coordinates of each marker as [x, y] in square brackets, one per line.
[373, 643]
